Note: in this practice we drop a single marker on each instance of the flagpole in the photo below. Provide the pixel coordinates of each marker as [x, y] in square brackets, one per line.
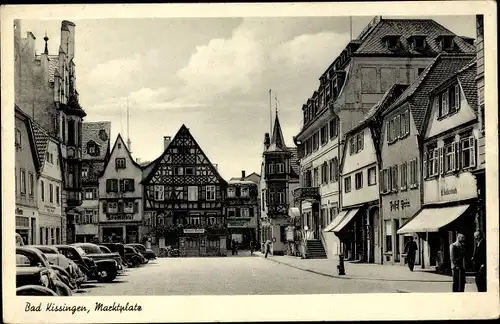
[270, 113]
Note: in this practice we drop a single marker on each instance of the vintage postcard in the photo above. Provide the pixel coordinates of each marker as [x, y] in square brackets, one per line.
[249, 162]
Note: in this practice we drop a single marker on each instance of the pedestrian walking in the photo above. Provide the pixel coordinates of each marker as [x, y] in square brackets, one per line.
[236, 247]
[479, 259]
[233, 246]
[410, 250]
[457, 258]
[268, 247]
[251, 247]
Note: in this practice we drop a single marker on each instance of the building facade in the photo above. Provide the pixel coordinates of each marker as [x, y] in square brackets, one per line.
[51, 223]
[357, 225]
[449, 157]
[388, 51]
[120, 197]
[184, 194]
[242, 208]
[401, 159]
[27, 170]
[45, 89]
[96, 151]
[279, 179]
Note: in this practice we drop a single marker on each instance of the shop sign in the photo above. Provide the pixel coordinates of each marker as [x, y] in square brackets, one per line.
[396, 204]
[446, 191]
[237, 223]
[120, 217]
[194, 230]
[50, 209]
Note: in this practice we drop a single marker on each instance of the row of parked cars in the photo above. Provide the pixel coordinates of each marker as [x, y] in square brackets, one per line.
[59, 270]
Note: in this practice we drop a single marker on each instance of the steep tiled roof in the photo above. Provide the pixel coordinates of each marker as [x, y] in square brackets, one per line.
[417, 94]
[277, 139]
[467, 78]
[53, 66]
[91, 131]
[294, 159]
[41, 142]
[405, 28]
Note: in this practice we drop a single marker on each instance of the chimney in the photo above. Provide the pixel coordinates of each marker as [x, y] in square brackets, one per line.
[30, 39]
[166, 142]
[68, 38]
[242, 174]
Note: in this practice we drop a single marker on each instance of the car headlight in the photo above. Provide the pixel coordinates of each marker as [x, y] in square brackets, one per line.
[44, 280]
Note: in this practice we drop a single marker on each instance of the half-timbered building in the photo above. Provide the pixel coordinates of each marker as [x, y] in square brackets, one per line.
[184, 194]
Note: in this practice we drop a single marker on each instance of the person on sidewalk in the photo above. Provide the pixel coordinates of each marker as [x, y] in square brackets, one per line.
[268, 247]
[410, 250]
[457, 258]
[479, 258]
[252, 245]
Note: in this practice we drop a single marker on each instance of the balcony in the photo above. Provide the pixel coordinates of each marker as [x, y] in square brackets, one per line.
[74, 197]
[306, 193]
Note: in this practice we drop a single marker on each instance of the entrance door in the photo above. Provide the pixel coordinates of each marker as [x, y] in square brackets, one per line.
[371, 226]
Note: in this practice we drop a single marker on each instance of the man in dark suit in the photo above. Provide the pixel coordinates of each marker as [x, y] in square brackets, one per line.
[479, 258]
[457, 258]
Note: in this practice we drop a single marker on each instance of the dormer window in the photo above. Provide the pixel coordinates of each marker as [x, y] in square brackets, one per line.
[392, 42]
[418, 42]
[92, 148]
[447, 43]
[103, 135]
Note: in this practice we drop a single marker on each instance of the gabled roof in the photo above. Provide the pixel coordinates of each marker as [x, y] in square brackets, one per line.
[154, 165]
[467, 78]
[29, 126]
[417, 94]
[118, 139]
[41, 142]
[294, 160]
[373, 42]
[277, 140]
[53, 67]
[91, 131]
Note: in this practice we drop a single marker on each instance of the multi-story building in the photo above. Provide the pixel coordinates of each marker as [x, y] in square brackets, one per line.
[27, 170]
[51, 223]
[403, 130]
[481, 162]
[46, 91]
[96, 147]
[242, 208]
[449, 157]
[357, 225]
[279, 179]
[388, 51]
[184, 194]
[120, 197]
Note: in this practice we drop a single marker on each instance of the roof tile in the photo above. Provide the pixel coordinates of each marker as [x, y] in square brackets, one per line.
[91, 131]
[41, 142]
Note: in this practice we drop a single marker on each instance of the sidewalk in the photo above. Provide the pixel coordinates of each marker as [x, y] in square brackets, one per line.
[399, 277]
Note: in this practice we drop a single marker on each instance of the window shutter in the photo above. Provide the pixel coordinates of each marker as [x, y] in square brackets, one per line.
[131, 184]
[122, 185]
[104, 207]
[136, 207]
[441, 161]
[389, 176]
[457, 155]
[108, 185]
[457, 97]
[472, 144]
[251, 212]
[396, 180]
[382, 184]
[120, 207]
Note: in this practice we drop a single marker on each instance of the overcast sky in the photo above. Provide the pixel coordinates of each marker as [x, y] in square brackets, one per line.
[213, 75]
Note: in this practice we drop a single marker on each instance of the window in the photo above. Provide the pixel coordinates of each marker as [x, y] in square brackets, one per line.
[31, 184]
[468, 155]
[192, 193]
[270, 168]
[231, 212]
[52, 236]
[245, 212]
[394, 178]
[390, 126]
[388, 235]
[316, 177]
[447, 43]
[128, 207]
[112, 207]
[127, 185]
[18, 143]
[413, 174]
[315, 141]
[120, 163]
[23, 182]
[405, 123]
[51, 193]
[431, 160]
[386, 180]
[42, 189]
[159, 192]
[454, 99]
[210, 192]
[443, 111]
[280, 167]
[263, 199]
[372, 176]
[58, 201]
[358, 180]
[449, 155]
[404, 175]
[85, 171]
[194, 220]
[419, 43]
[281, 197]
[334, 169]
[112, 185]
[324, 135]
[392, 42]
[324, 173]
[89, 194]
[178, 171]
[245, 192]
[189, 171]
[356, 143]
[333, 128]
[347, 184]
[231, 193]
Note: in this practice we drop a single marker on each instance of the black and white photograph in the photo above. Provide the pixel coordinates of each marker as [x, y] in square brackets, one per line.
[299, 156]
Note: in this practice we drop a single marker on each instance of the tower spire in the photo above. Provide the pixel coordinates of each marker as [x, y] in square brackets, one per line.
[46, 39]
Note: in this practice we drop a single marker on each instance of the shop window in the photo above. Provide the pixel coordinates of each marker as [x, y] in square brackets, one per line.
[388, 236]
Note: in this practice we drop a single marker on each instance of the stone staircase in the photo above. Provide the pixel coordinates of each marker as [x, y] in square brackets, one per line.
[315, 250]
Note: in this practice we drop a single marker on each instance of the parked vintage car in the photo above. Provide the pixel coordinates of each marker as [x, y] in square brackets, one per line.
[94, 251]
[147, 253]
[129, 255]
[35, 276]
[101, 270]
[58, 261]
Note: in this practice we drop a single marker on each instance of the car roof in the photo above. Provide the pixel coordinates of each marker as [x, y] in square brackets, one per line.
[44, 248]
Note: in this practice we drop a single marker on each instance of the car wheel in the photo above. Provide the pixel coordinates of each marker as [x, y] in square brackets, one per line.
[62, 289]
[146, 260]
[110, 277]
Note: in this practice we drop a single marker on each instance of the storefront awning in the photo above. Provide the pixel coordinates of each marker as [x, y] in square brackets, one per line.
[432, 219]
[350, 215]
[335, 221]
[294, 212]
